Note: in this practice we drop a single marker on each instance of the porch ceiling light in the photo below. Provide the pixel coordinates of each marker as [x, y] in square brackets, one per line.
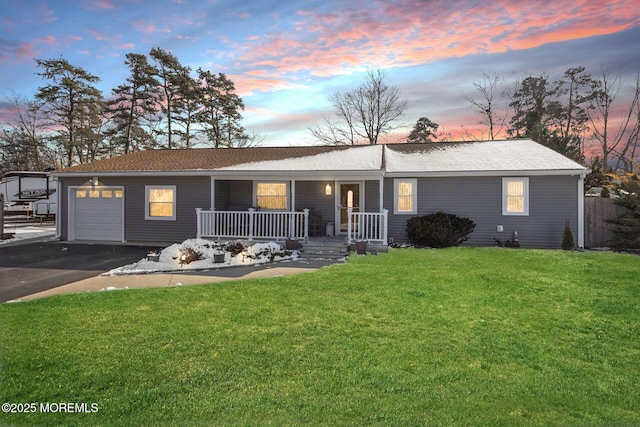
[327, 189]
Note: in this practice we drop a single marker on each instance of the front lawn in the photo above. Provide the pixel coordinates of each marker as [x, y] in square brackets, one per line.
[460, 336]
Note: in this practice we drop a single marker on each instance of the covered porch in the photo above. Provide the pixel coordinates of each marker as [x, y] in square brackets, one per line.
[277, 208]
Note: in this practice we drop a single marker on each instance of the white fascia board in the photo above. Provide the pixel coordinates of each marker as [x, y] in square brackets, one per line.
[302, 175]
[453, 174]
[133, 173]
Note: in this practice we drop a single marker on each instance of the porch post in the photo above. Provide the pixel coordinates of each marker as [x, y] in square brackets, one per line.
[293, 196]
[381, 191]
[306, 225]
[251, 210]
[292, 209]
[198, 225]
[213, 193]
[349, 225]
[385, 222]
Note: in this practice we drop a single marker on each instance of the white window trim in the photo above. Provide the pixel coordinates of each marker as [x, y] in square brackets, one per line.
[147, 192]
[288, 194]
[505, 182]
[414, 196]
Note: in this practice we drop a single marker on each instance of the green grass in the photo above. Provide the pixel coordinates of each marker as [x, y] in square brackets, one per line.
[460, 336]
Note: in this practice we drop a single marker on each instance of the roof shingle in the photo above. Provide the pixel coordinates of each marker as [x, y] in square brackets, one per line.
[195, 159]
[460, 157]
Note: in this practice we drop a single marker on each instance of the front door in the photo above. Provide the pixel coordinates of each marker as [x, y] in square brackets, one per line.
[348, 197]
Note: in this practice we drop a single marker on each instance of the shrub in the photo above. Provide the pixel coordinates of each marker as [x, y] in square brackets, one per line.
[189, 255]
[568, 244]
[507, 243]
[235, 248]
[439, 230]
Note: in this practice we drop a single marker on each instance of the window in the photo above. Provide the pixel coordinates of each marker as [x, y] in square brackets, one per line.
[107, 194]
[271, 195]
[160, 202]
[405, 196]
[81, 194]
[515, 196]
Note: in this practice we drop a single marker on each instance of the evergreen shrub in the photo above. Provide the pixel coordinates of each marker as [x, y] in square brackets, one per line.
[439, 230]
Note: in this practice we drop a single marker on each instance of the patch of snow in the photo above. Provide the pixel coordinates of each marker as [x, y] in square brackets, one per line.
[170, 259]
[356, 158]
[515, 155]
[22, 232]
[113, 288]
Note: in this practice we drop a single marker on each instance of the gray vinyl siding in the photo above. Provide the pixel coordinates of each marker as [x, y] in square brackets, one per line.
[191, 193]
[552, 201]
[234, 195]
[63, 202]
[372, 196]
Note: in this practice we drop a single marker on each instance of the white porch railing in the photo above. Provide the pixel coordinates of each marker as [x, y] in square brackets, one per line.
[369, 226]
[252, 224]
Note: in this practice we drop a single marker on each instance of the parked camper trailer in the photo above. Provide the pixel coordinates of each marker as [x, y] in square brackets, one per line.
[29, 193]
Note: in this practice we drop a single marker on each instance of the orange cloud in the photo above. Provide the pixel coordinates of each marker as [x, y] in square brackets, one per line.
[406, 33]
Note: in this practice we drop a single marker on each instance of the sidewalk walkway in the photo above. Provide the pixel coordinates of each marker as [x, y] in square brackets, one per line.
[106, 283]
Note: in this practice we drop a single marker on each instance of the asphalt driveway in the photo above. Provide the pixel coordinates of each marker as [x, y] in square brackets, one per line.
[34, 267]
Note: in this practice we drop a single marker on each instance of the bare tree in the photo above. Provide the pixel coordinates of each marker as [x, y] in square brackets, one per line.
[23, 145]
[363, 114]
[493, 115]
[627, 154]
[616, 134]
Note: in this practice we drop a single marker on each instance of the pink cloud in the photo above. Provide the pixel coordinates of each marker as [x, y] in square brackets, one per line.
[23, 51]
[49, 40]
[105, 4]
[247, 84]
[47, 15]
[148, 28]
[97, 35]
[405, 32]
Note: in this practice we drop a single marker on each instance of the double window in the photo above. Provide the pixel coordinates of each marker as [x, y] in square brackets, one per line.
[160, 202]
[515, 196]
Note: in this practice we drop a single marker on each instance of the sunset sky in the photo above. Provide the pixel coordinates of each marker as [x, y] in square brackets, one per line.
[287, 57]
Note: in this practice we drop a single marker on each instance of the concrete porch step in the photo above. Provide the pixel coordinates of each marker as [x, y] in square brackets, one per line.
[333, 251]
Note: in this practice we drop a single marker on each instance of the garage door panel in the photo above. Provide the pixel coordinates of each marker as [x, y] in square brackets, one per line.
[98, 218]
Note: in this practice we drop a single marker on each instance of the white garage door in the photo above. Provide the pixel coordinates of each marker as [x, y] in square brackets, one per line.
[98, 214]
